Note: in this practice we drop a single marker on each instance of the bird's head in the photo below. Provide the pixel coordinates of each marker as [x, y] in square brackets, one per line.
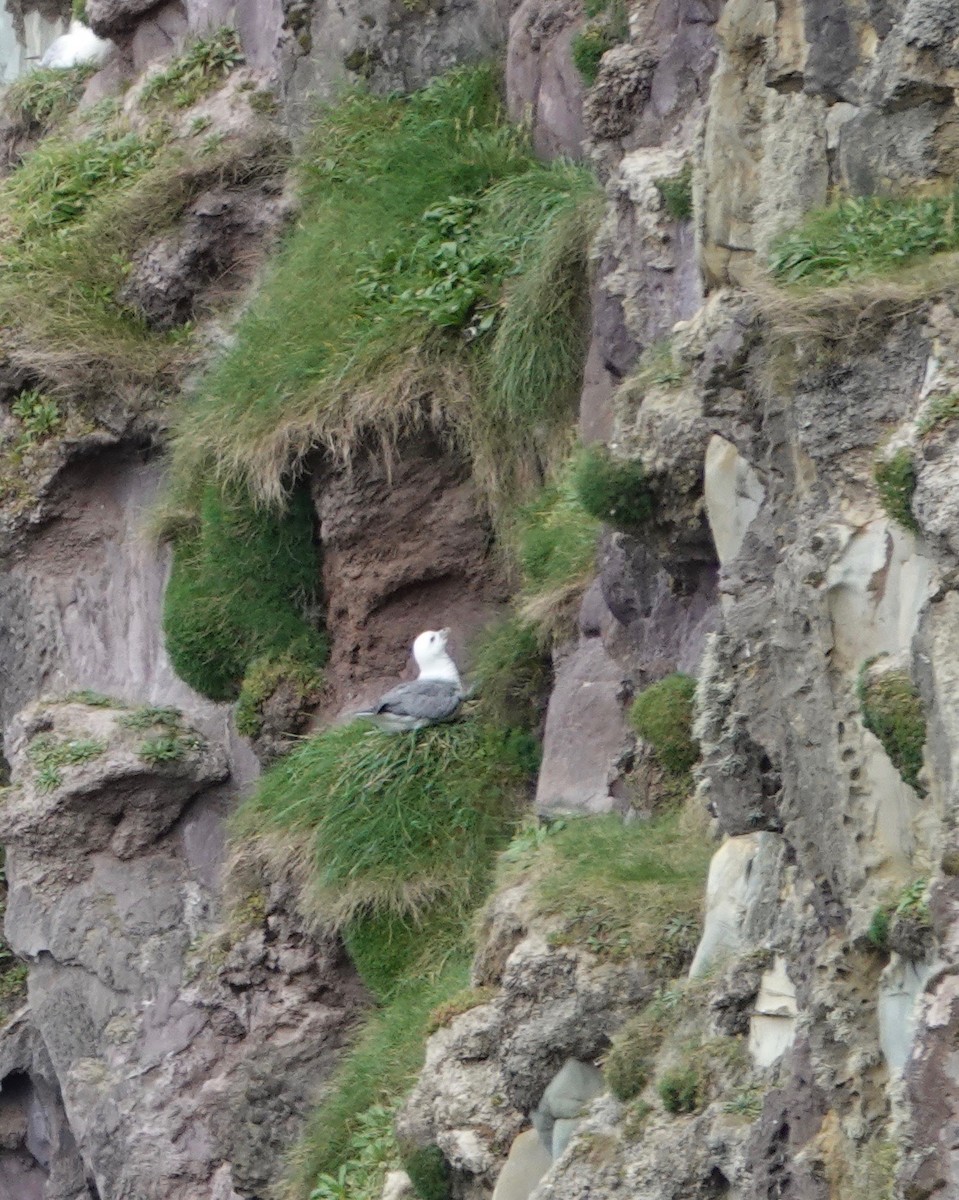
[430, 646]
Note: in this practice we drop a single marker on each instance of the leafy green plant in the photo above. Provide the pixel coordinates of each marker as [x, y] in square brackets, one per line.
[48, 753]
[150, 715]
[370, 1152]
[39, 416]
[677, 193]
[167, 748]
[612, 489]
[199, 70]
[264, 676]
[662, 715]
[747, 1104]
[896, 482]
[892, 709]
[865, 235]
[240, 585]
[682, 1089]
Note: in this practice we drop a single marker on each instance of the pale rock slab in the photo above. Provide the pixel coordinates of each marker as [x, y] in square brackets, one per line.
[734, 493]
[877, 588]
[528, 1162]
[901, 986]
[736, 878]
[772, 1028]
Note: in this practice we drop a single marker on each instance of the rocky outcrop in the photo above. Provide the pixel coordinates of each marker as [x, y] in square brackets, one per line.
[198, 1051]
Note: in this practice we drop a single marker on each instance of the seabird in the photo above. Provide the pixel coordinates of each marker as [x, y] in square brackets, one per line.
[434, 696]
[75, 48]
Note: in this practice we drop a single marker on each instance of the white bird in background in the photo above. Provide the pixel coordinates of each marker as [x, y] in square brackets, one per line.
[79, 46]
[434, 696]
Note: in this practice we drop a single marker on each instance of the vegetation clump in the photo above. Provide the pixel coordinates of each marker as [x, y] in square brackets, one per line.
[199, 70]
[555, 540]
[607, 27]
[512, 673]
[865, 235]
[241, 585]
[301, 678]
[612, 489]
[892, 709]
[622, 891]
[437, 274]
[429, 1172]
[682, 1089]
[48, 754]
[940, 410]
[390, 825]
[662, 715]
[677, 193]
[630, 1061]
[370, 1153]
[896, 481]
[42, 99]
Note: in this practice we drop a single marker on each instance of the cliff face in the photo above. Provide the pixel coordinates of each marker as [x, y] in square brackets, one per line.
[797, 557]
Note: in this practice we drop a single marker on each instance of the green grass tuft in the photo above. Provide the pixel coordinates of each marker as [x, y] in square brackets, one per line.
[48, 753]
[878, 931]
[150, 715]
[45, 97]
[892, 709]
[199, 70]
[379, 1068]
[555, 544]
[896, 481]
[941, 410]
[865, 235]
[239, 588]
[437, 274]
[662, 715]
[588, 48]
[623, 891]
[512, 674]
[612, 489]
[391, 824]
[631, 1059]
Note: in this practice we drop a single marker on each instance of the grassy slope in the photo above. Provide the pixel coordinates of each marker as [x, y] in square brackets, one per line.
[372, 320]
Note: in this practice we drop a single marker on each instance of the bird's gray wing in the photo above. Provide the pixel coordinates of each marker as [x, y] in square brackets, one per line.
[421, 699]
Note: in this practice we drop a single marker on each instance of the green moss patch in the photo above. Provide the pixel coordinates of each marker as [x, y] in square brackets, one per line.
[677, 193]
[240, 587]
[892, 709]
[662, 715]
[264, 676]
[863, 236]
[612, 489]
[896, 482]
[631, 1060]
[682, 1089]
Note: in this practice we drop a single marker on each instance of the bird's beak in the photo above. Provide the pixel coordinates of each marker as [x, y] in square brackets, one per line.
[444, 634]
